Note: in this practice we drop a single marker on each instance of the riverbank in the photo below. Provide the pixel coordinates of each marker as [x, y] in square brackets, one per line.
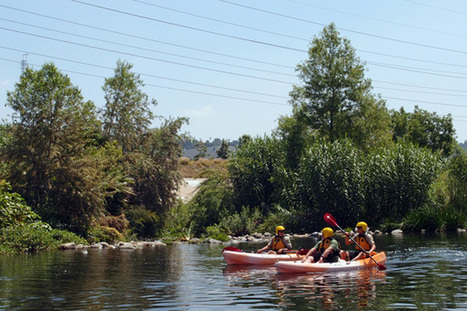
[252, 238]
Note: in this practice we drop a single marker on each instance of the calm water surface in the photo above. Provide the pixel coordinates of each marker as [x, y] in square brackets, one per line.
[425, 272]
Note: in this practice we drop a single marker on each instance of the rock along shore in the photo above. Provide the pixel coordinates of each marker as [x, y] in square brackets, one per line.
[254, 238]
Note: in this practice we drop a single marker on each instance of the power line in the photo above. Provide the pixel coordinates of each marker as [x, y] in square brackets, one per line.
[436, 7]
[222, 21]
[225, 88]
[405, 68]
[192, 28]
[175, 89]
[420, 92]
[149, 58]
[147, 39]
[376, 19]
[222, 54]
[424, 102]
[189, 65]
[149, 50]
[247, 99]
[149, 75]
[417, 86]
[344, 29]
[417, 70]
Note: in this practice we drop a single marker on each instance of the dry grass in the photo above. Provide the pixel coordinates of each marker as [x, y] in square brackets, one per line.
[203, 168]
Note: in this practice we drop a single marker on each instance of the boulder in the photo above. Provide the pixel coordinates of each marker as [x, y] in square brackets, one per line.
[397, 231]
[104, 244]
[123, 245]
[214, 241]
[68, 246]
[258, 235]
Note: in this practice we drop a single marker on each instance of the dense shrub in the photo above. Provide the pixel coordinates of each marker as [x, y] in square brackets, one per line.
[144, 223]
[179, 222]
[212, 203]
[252, 172]
[34, 236]
[398, 180]
[217, 233]
[244, 222]
[104, 234]
[329, 179]
[13, 208]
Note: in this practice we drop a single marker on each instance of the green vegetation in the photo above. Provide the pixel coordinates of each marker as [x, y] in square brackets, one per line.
[341, 151]
[102, 174]
[107, 175]
[22, 230]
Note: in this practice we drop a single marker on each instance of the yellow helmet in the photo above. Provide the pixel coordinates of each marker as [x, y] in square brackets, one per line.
[279, 228]
[327, 232]
[363, 225]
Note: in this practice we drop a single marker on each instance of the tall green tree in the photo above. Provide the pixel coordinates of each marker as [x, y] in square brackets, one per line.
[151, 155]
[336, 99]
[48, 151]
[127, 114]
[425, 129]
[223, 151]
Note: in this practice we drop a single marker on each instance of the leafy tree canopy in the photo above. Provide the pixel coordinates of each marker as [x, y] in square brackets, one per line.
[336, 99]
[127, 114]
[426, 129]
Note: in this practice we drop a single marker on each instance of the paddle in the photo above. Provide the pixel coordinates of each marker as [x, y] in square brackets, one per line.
[332, 221]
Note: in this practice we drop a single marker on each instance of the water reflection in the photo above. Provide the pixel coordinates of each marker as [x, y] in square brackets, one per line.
[327, 291]
[353, 289]
[427, 272]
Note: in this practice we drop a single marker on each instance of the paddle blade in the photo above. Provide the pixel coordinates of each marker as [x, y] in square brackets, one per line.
[381, 267]
[232, 249]
[330, 220]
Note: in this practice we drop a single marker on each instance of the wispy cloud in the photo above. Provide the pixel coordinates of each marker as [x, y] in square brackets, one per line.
[203, 112]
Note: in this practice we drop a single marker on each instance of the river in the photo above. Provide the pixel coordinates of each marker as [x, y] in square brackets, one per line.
[424, 272]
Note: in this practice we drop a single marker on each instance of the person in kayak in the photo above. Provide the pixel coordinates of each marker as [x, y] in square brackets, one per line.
[279, 243]
[326, 250]
[364, 239]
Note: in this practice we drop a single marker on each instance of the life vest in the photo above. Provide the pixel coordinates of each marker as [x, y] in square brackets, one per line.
[277, 243]
[361, 239]
[324, 244]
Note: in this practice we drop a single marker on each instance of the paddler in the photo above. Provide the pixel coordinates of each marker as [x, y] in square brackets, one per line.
[279, 243]
[326, 250]
[364, 239]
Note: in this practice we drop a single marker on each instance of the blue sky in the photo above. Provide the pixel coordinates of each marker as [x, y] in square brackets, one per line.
[229, 65]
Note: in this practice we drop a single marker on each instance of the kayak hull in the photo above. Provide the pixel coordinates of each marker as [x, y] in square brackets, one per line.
[243, 258]
[341, 265]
